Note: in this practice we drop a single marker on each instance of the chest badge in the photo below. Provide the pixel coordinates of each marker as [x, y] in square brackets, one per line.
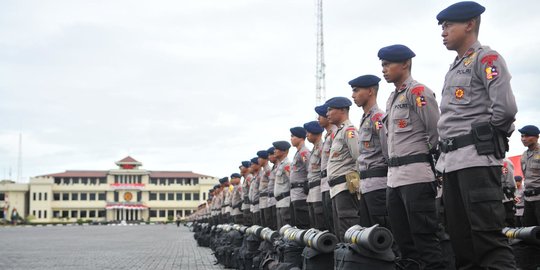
[402, 123]
[459, 93]
[469, 59]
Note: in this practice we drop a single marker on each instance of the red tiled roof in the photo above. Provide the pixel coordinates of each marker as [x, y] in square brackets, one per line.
[79, 174]
[173, 174]
[128, 159]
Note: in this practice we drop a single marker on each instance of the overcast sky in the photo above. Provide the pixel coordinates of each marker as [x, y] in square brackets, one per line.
[202, 85]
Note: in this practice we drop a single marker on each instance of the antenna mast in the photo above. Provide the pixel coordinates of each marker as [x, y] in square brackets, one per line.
[320, 87]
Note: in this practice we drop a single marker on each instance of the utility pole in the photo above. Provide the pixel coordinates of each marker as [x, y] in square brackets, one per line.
[320, 85]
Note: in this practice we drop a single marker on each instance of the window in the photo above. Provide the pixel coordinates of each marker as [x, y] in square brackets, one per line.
[195, 181]
[92, 213]
[180, 213]
[84, 196]
[56, 196]
[45, 196]
[153, 181]
[39, 196]
[74, 214]
[168, 182]
[34, 213]
[56, 214]
[57, 181]
[39, 214]
[187, 197]
[204, 196]
[196, 196]
[116, 196]
[65, 214]
[170, 196]
[74, 196]
[102, 181]
[34, 196]
[101, 213]
[162, 213]
[93, 181]
[83, 213]
[44, 213]
[101, 196]
[178, 196]
[162, 181]
[2, 196]
[92, 196]
[153, 196]
[153, 213]
[170, 213]
[139, 196]
[65, 196]
[84, 181]
[188, 181]
[187, 212]
[161, 196]
[76, 181]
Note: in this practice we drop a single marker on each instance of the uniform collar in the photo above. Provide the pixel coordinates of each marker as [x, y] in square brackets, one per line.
[470, 52]
[405, 85]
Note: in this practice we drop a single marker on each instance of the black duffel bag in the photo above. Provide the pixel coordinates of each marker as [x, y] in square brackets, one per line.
[353, 257]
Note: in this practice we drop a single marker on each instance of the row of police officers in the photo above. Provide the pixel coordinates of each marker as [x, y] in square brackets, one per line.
[386, 170]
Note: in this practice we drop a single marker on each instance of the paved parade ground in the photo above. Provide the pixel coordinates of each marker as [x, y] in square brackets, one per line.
[153, 247]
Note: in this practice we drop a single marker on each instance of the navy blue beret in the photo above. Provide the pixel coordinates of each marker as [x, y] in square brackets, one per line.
[365, 81]
[338, 102]
[529, 130]
[224, 180]
[216, 186]
[246, 164]
[322, 110]
[211, 190]
[282, 145]
[235, 175]
[396, 53]
[255, 160]
[270, 150]
[518, 178]
[263, 154]
[460, 12]
[299, 132]
[313, 127]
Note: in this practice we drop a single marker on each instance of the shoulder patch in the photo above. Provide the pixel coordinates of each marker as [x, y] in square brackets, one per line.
[377, 117]
[418, 90]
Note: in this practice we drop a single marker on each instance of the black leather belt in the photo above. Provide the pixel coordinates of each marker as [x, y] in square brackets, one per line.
[263, 194]
[283, 195]
[225, 205]
[337, 181]
[247, 201]
[255, 202]
[531, 192]
[314, 184]
[452, 144]
[238, 205]
[271, 194]
[324, 173]
[297, 185]
[520, 206]
[376, 172]
[400, 161]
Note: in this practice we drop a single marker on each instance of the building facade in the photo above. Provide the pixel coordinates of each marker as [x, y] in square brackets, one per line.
[127, 193]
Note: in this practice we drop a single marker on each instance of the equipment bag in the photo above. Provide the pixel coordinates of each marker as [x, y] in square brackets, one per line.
[352, 257]
[315, 260]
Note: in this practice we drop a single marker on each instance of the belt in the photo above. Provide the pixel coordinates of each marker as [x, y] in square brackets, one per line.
[297, 185]
[255, 202]
[225, 205]
[263, 194]
[314, 184]
[283, 195]
[247, 201]
[377, 172]
[271, 194]
[324, 173]
[520, 206]
[531, 192]
[400, 161]
[238, 205]
[337, 181]
[452, 144]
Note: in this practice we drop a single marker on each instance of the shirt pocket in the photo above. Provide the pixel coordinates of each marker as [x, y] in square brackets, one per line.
[459, 90]
[402, 121]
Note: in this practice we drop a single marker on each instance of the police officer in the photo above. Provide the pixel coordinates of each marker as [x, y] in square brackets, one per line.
[314, 198]
[215, 205]
[477, 108]
[246, 204]
[264, 173]
[373, 152]
[342, 175]
[530, 165]
[254, 191]
[270, 212]
[236, 199]
[520, 201]
[282, 183]
[508, 185]
[299, 180]
[226, 202]
[331, 129]
[412, 115]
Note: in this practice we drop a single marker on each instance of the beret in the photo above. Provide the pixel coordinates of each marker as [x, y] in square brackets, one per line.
[460, 12]
[263, 154]
[313, 127]
[235, 175]
[299, 132]
[396, 53]
[246, 164]
[216, 186]
[518, 178]
[529, 130]
[282, 145]
[270, 150]
[322, 110]
[224, 180]
[255, 160]
[365, 81]
[338, 102]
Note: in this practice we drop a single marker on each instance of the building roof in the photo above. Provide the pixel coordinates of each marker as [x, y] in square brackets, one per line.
[128, 159]
[79, 174]
[175, 174]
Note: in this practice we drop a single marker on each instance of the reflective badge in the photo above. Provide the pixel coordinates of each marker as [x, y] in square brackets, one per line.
[402, 123]
[460, 93]
[377, 120]
[491, 72]
[505, 168]
[421, 101]
[287, 168]
[402, 98]
[378, 125]
[469, 59]
[366, 144]
[350, 132]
